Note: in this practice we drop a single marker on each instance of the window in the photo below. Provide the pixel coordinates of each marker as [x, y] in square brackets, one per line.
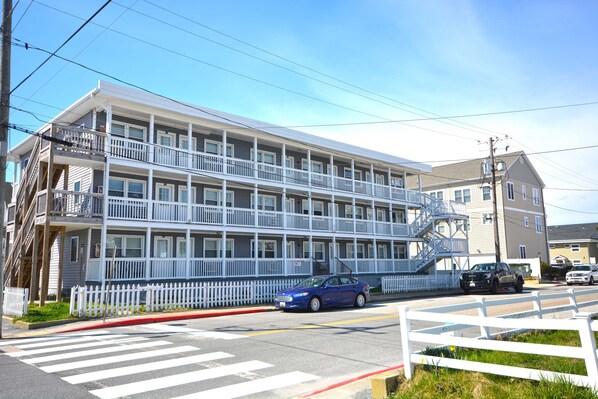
[125, 188]
[212, 248]
[398, 216]
[126, 246]
[181, 247]
[487, 218]
[316, 166]
[347, 174]
[535, 196]
[213, 197]
[400, 251]
[77, 188]
[264, 202]
[576, 261]
[463, 195]
[349, 212]
[538, 224]
[289, 162]
[265, 157]
[215, 147]
[522, 252]
[183, 194]
[383, 252]
[128, 131]
[396, 182]
[290, 205]
[317, 250]
[526, 221]
[379, 179]
[74, 249]
[510, 191]
[162, 247]
[575, 247]
[381, 215]
[164, 192]
[486, 193]
[437, 194]
[523, 192]
[440, 228]
[463, 225]
[317, 207]
[360, 251]
[265, 249]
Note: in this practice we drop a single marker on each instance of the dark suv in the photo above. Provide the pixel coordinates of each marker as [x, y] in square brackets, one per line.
[492, 277]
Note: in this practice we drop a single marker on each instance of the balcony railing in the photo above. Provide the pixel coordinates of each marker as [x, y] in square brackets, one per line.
[155, 269]
[122, 148]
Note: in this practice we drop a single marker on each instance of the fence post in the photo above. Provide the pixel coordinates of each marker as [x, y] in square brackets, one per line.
[483, 312]
[588, 343]
[72, 299]
[537, 304]
[25, 304]
[573, 301]
[81, 301]
[405, 343]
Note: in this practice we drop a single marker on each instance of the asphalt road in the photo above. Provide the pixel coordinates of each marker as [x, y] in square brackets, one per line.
[262, 355]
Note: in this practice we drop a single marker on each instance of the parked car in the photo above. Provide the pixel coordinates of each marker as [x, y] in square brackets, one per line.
[318, 292]
[492, 277]
[582, 274]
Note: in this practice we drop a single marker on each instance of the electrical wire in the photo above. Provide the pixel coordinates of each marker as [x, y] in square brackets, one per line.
[61, 46]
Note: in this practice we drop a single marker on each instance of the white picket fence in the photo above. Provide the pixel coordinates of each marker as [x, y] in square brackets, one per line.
[443, 335]
[124, 300]
[396, 284]
[15, 301]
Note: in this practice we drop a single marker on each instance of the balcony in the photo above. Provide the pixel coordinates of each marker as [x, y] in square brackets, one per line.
[137, 209]
[132, 150]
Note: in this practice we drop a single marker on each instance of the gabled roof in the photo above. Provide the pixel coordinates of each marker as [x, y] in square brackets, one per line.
[573, 232]
[471, 170]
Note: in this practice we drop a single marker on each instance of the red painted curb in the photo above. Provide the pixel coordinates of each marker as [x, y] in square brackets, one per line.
[343, 383]
[160, 319]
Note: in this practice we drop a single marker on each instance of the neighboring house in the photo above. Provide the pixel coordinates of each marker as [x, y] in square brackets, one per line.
[176, 192]
[573, 244]
[520, 205]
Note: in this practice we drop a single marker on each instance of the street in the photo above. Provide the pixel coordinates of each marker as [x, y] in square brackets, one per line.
[265, 355]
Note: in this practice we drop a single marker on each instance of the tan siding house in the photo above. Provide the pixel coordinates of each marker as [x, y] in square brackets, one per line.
[573, 244]
[520, 205]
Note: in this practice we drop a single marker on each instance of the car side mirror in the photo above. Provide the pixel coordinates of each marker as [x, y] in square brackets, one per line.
[327, 286]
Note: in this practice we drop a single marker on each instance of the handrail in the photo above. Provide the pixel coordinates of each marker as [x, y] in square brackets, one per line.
[321, 267]
[345, 265]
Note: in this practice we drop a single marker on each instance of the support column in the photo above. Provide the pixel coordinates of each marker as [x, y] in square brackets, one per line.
[255, 252]
[188, 254]
[285, 255]
[223, 251]
[47, 251]
[150, 139]
[189, 195]
[255, 206]
[224, 209]
[352, 175]
[375, 244]
[105, 198]
[148, 253]
[61, 264]
[355, 254]
[255, 174]
[190, 148]
[224, 152]
[284, 163]
[150, 195]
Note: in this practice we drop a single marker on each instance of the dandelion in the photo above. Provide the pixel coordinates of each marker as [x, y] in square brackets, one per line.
[452, 348]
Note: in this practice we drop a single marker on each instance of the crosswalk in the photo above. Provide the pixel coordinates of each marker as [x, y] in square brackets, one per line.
[122, 365]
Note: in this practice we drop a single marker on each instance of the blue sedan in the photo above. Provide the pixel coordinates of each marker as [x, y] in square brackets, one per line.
[317, 292]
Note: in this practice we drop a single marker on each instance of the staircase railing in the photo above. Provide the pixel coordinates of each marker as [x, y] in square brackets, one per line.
[343, 264]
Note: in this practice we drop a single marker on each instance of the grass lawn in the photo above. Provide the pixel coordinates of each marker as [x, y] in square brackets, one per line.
[49, 312]
[442, 383]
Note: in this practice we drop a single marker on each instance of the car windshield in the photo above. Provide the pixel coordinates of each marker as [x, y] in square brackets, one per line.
[483, 267]
[581, 268]
[310, 282]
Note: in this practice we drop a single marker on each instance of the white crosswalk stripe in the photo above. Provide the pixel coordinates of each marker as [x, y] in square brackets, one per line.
[147, 367]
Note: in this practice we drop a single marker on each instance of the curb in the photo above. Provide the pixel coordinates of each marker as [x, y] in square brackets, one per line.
[162, 318]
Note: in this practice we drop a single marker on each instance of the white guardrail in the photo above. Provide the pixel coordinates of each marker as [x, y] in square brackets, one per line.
[124, 300]
[508, 324]
[15, 301]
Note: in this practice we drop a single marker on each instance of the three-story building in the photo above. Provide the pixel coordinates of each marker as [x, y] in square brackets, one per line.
[131, 186]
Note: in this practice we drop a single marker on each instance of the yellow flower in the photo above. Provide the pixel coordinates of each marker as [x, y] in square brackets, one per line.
[452, 348]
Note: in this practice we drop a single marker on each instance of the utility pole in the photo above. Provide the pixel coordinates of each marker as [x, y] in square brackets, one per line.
[6, 30]
[494, 207]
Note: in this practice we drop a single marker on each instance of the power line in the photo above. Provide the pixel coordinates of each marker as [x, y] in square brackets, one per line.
[61, 46]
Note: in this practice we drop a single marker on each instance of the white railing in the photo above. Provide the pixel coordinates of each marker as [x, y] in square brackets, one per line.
[15, 301]
[128, 149]
[169, 211]
[127, 208]
[507, 324]
[206, 214]
[240, 217]
[168, 268]
[93, 271]
[396, 284]
[122, 300]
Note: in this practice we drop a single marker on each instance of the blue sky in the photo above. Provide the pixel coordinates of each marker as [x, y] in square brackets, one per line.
[441, 57]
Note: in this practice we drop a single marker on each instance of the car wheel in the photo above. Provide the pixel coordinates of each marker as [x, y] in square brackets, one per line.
[466, 292]
[591, 281]
[359, 301]
[315, 304]
[519, 285]
[494, 287]
[569, 283]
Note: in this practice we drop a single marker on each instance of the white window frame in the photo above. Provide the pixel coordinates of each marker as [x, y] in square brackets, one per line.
[75, 240]
[290, 205]
[126, 183]
[575, 248]
[229, 241]
[487, 218]
[168, 241]
[464, 194]
[261, 249]
[357, 175]
[193, 194]
[383, 252]
[126, 128]
[510, 191]
[183, 254]
[314, 165]
[169, 187]
[397, 182]
[536, 196]
[219, 148]
[379, 179]
[314, 244]
[261, 155]
[524, 192]
[219, 196]
[289, 162]
[538, 224]
[526, 221]
[261, 202]
[360, 250]
[522, 252]
[381, 215]
[77, 188]
[124, 247]
[439, 195]
[486, 190]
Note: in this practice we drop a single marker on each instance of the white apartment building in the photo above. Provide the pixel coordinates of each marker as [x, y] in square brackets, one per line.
[135, 187]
